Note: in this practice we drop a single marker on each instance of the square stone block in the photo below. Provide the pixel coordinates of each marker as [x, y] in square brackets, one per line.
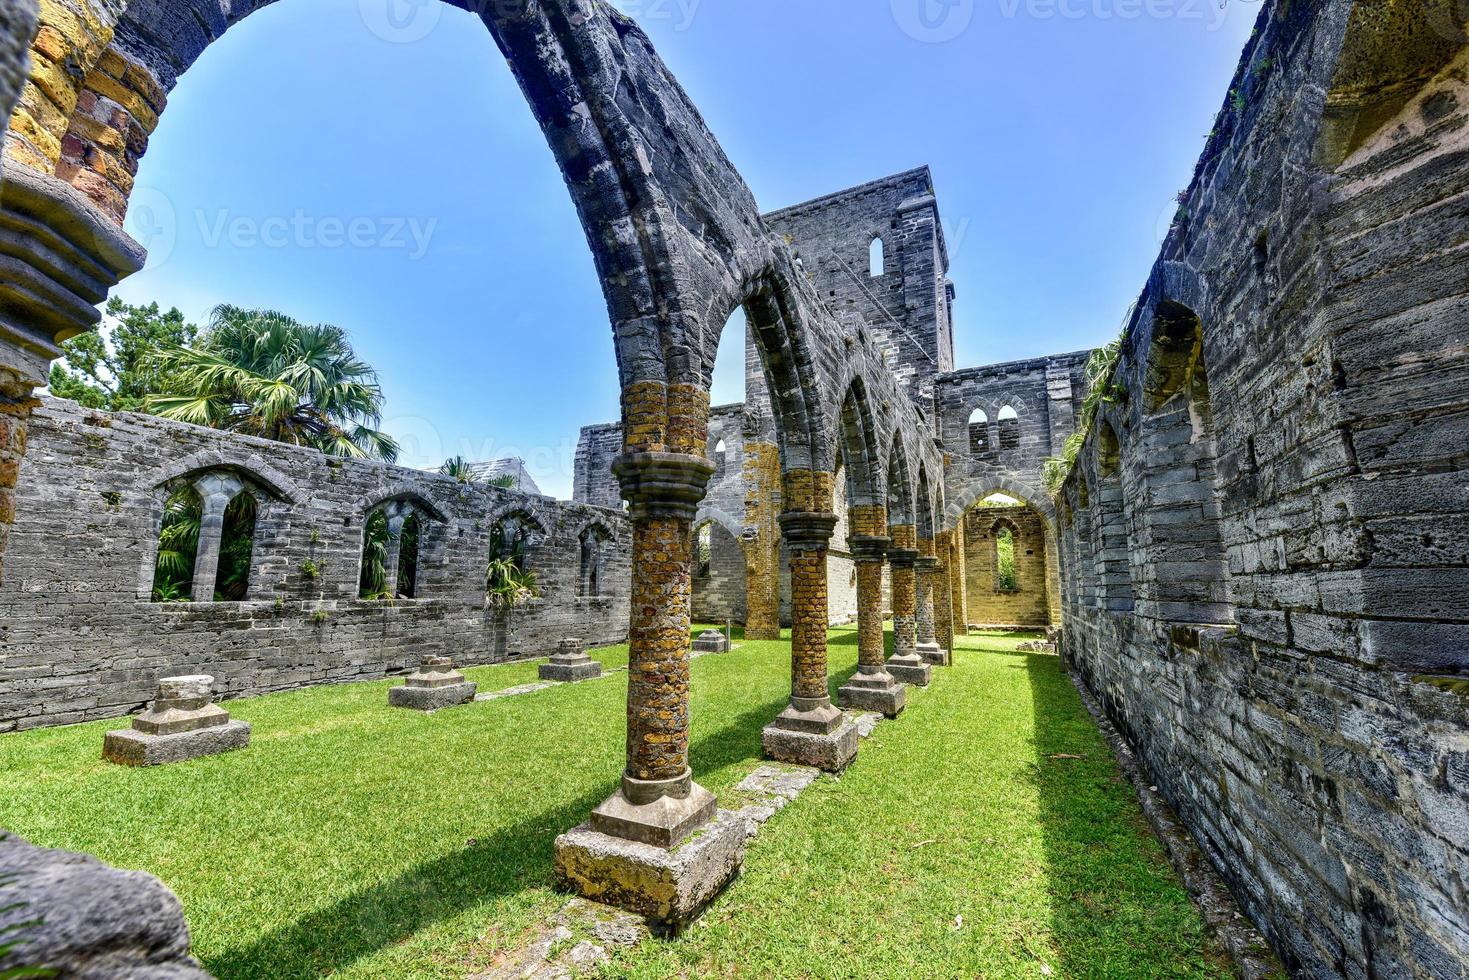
[575, 671]
[919, 674]
[832, 753]
[431, 698]
[934, 654]
[133, 748]
[668, 887]
[889, 700]
[711, 641]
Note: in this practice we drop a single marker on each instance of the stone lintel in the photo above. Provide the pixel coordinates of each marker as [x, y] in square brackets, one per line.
[133, 748]
[661, 813]
[668, 886]
[666, 485]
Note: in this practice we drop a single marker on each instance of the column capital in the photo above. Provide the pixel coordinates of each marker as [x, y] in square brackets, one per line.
[868, 547]
[668, 485]
[807, 530]
[926, 563]
[903, 557]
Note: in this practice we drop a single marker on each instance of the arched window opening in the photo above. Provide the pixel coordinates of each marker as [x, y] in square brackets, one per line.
[704, 551]
[1005, 575]
[979, 432]
[1114, 567]
[236, 548]
[510, 540]
[876, 258]
[1009, 428]
[178, 539]
[1179, 506]
[390, 552]
[719, 459]
[591, 563]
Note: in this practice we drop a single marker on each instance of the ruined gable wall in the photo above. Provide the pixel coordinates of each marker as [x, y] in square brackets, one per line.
[1029, 605]
[79, 638]
[1312, 743]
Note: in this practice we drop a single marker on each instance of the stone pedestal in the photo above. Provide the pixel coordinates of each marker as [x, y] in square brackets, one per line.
[570, 663]
[436, 684]
[911, 671]
[183, 723]
[873, 689]
[711, 641]
[811, 733]
[669, 886]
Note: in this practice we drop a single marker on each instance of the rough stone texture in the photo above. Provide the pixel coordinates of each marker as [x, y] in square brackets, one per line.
[711, 641]
[79, 638]
[1027, 606]
[434, 685]
[570, 664]
[668, 887]
[831, 752]
[1281, 478]
[134, 748]
[95, 922]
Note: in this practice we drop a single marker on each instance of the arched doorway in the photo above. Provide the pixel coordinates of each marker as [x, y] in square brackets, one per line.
[1011, 572]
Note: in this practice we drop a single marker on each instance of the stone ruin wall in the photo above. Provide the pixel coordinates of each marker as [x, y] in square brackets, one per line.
[1030, 604]
[80, 638]
[1297, 482]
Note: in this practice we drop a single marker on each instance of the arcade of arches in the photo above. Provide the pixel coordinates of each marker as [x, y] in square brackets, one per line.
[1255, 550]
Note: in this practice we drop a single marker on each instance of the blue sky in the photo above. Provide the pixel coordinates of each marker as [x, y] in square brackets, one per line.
[372, 164]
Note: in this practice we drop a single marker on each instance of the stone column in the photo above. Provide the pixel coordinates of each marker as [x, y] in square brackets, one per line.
[872, 688]
[906, 664]
[761, 541]
[943, 594]
[811, 731]
[958, 581]
[396, 516]
[215, 490]
[61, 256]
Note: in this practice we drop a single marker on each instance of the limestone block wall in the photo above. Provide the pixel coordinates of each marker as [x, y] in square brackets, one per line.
[1030, 604]
[1284, 461]
[80, 638]
[592, 479]
[719, 592]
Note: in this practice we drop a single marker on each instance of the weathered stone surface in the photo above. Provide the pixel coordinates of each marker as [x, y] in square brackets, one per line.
[831, 752]
[76, 917]
[667, 886]
[570, 664]
[662, 813]
[884, 694]
[133, 748]
[431, 698]
[918, 674]
[711, 641]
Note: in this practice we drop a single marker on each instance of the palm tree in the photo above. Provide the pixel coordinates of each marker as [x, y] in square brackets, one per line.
[460, 469]
[265, 374]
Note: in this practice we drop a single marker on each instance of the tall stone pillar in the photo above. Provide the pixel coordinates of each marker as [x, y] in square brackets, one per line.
[215, 490]
[59, 256]
[926, 578]
[959, 581]
[636, 851]
[872, 688]
[396, 516]
[811, 731]
[906, 663]
[943, 594]
[761, 541]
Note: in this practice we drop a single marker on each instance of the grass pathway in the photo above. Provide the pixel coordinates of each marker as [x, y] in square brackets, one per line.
[366, 842]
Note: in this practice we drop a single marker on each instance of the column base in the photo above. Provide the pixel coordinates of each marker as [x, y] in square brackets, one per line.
[934, 654]
[570, 669]
[910, 669]
[431, 698]
[669, 886]
[811, 732]
[660, 813]
[128, 747]
[877, 691]
[762, 633]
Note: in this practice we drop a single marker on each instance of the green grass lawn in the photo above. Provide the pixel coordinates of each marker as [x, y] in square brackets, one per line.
[354, 839]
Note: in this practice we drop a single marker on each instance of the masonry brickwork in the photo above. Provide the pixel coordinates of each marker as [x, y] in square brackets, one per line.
[80, 637]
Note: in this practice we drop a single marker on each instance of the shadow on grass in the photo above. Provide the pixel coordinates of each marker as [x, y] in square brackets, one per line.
[1117, 908]
[514, 860]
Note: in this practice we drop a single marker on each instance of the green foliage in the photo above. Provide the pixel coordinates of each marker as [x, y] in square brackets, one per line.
[236, 546]
[173, 574]
[1238, 100]
[374, 581]
[506, 482]
[1005, 579]
[113, 369]
[265, 374]
[310, 570]
[507, 584]
[461, 469]
[1101, 388]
